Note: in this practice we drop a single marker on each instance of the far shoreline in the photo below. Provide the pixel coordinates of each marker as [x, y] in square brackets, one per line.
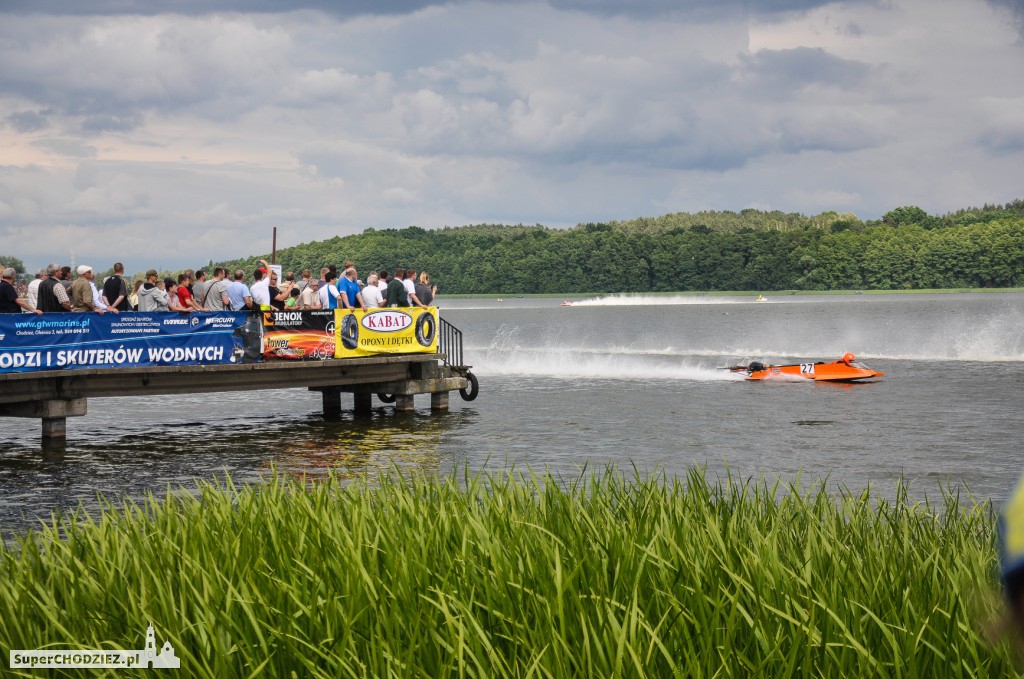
[732, 293]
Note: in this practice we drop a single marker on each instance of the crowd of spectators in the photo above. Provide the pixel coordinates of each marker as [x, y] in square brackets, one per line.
[54, 290]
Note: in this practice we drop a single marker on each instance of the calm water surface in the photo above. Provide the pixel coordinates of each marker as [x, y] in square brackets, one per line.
[629, 381]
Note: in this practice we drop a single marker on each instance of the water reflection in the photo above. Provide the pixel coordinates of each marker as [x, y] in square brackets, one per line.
[38, 482]
[361, 446]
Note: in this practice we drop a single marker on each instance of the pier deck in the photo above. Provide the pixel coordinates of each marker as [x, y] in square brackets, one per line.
[52, 396]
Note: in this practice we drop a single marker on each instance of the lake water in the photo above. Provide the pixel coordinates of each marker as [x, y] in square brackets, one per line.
[627, 381]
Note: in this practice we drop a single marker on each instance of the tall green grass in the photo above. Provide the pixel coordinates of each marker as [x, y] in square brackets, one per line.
[519, 575]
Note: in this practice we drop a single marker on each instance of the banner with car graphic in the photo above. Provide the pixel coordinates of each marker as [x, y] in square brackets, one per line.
[298, 335]
[393, 330]
[66, 341]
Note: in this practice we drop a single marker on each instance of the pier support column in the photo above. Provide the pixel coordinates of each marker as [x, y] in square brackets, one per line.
[439, 402]
[52, 412]
[54, 429]
[363, 403]
[404, 404]
[331, 403]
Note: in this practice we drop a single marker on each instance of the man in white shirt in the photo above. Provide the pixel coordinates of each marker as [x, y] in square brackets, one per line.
[260, 289]
[410, 287]
[33, 288]
[372, 296]
[329, 293]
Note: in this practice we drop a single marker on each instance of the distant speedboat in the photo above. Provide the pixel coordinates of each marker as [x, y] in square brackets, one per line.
[566, 303]
[845, 369]
[761, 298]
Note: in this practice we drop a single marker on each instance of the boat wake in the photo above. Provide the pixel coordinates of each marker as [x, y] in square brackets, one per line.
[658, 300]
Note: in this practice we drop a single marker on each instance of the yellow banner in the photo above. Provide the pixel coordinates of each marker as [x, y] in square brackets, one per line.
[394, 330]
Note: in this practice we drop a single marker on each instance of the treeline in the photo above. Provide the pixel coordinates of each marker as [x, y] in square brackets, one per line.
[748, 250]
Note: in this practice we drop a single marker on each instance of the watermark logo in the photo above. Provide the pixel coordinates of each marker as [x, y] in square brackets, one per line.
[99, 659]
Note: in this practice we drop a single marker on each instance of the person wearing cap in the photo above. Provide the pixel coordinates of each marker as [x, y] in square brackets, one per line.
[260, 288]
[82, 297]
[10, 301]
[152, 296]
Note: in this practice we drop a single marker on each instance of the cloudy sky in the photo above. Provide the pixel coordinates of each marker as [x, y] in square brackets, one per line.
[170, 132]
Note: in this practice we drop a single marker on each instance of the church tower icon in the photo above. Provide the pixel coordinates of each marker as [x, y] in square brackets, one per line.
[165, 659]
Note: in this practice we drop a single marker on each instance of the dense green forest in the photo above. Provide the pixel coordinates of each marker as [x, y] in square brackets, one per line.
[749, 250]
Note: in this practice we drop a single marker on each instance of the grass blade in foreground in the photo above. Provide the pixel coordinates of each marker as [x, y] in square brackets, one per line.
[507, 575]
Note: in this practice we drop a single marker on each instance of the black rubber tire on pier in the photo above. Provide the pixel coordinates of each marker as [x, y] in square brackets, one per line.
[386, 398]
[426, 328]
[474, 388]
[350, 332]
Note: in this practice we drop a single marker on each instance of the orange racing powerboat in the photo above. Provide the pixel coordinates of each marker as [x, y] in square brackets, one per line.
[845, 369]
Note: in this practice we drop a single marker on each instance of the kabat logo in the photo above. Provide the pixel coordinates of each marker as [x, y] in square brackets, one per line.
[387, 321]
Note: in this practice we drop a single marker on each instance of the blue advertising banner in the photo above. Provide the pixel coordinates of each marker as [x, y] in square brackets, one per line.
[90, 340]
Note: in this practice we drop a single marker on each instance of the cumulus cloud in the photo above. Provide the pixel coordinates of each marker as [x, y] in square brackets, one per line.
[188, 131]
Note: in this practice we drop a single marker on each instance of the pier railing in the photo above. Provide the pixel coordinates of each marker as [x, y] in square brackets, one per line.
[450, 344]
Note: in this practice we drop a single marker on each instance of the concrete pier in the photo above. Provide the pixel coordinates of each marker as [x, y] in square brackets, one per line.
[54, 396]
